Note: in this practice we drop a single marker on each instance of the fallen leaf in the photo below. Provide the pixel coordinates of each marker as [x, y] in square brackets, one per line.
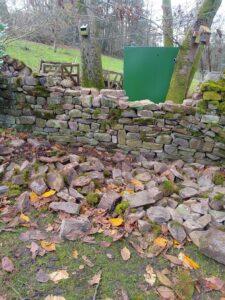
[166, 293]
[42, 277]
[95, 279]
[125, 253]
[51, 297]
[188, 262]
[58, 275]
[48, 246]
[163, 279]
[34, 197]
[150, 276]
[7, 264]
[81, 267]
[173, 259]
[137, 183]
[87, 261]
[214, 283]
[116, 222]
[75, 254]
[105, 244]
[24, 218]
[161, 242]
[48, 194]
[34, 249]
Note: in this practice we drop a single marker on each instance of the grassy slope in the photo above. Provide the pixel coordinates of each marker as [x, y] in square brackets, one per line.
[31, 53]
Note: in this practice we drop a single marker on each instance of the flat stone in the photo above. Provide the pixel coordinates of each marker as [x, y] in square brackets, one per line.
[200, 207]
[81, 181]
[212, 244]
[177, 231]
[158, 214]
[3, 189]
[210, 119]
[75, 194]
[159, 167]
[217, 216]
[144, 177]
[204, 220]
[109, 200]
[64, 194]
[144, 226]
[55, 181]
[38, 186]
[191, 225]
[67, 207]
[183, 211]
[17, 143]
[141, 198]
[188, 192]
[74, 228]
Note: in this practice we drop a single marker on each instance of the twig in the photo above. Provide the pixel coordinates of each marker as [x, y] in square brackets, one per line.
[96, 291]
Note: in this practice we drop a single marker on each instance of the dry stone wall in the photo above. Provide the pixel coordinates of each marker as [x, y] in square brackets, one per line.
[85, 116]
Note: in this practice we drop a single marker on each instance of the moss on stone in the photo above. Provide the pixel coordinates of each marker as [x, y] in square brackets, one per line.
[169, 187]
[219, 178]
[212, 96]
[202, 107]
[106, 173]
[218, 197]
[93, 199]
[41, 91]
[96, 112]
[121, 207]
[143, 121]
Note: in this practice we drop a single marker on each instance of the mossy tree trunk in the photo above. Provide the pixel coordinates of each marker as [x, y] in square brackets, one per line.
[92, 74]
[167, 23]
[190, 53]
[4, 13]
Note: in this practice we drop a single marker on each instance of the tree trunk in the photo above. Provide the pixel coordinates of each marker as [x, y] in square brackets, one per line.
[167, 23]
[190, 53]
[4, 13]
[92, 75]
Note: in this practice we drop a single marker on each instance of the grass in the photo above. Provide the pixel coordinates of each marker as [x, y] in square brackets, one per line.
[116, 273]
[32, 53]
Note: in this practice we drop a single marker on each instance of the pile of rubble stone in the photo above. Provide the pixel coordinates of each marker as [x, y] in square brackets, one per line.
[189, 198]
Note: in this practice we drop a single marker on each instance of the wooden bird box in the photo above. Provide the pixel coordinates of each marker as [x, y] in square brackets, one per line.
[84, 30]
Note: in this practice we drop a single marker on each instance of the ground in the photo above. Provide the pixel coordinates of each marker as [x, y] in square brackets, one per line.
[32, 53]
[120, 278]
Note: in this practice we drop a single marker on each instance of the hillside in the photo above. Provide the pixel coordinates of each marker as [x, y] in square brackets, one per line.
[31, 53]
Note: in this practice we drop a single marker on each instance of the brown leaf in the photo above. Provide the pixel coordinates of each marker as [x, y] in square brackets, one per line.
[51, 297]
[125, 253]
[166, 293]
[150, 276]
[214, 283]
[58, 275]
[7, 264]
[42, 277]
[164, 279]
[87, 261]
[95, 279]
[173, 259]
[34, 249]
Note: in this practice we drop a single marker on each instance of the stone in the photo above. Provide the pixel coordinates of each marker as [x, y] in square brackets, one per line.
[163, 139]
[159, 167]
[67, 207]
[81, 181]
[201, 208]
[34, 143]
[74, 228]
[75, 113]
[144, 177]
[212, 244]
[109, 200]
[55, 181]
[103, 137]
[138, 199]
[23, 202]
[191, 225]
[38, 186]
[158, 214]
[183, 211]
[188, 192]
[17, 143]
[210, 119]
[217, 216]
[144, 226]
[177, 231]
[204, 220]
[67, 83]
[75, 194]
[3, 189]
[64, 194]
[27, 120]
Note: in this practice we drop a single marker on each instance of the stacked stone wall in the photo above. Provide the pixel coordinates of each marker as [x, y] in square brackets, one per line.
[85, 116]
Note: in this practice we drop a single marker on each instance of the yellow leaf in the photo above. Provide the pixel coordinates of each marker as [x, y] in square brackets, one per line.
[75, 254]
[48, 246]
[58, 275]
[116, 221]
[48, 194]
[24, 218]
[34, 197]
[51, 297]
[161, 242]
[125, 253]
[188, 262]
[136, 183]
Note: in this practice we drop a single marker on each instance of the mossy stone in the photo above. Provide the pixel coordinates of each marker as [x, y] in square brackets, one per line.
[212, 96]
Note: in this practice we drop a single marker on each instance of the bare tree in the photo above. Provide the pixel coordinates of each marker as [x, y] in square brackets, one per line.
[190, 52]
[167, 23]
